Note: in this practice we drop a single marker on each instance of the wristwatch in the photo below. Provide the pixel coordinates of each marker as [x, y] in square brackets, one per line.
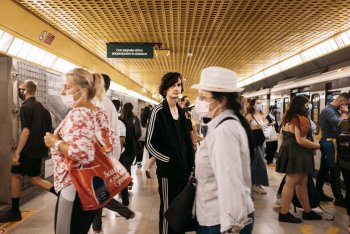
[56, 146]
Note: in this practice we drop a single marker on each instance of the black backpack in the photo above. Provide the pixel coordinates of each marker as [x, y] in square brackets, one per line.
[343, 148]
[131, 137]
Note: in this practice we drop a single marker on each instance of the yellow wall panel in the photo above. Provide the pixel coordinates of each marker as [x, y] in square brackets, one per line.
[23, 24]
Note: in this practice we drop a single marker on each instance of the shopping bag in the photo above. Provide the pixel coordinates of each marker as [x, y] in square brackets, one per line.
[100, 180]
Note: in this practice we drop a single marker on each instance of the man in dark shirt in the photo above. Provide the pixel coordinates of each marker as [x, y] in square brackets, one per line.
[329, 119]
[168, 140]
[35, 122]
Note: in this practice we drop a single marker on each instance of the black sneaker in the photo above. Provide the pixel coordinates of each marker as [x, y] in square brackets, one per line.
[324, 197]
[97, 228]
[340, 202]
[10, 216]
[311, 216]
[288, 218]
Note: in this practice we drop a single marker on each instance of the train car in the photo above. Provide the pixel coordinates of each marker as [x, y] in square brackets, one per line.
[322, 88]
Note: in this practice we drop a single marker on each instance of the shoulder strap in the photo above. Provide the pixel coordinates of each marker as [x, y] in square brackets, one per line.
[255, 120]
[223, 120]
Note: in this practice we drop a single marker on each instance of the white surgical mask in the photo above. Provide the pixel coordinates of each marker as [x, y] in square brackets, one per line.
[202, 108]
[68, 100]
[259, 107]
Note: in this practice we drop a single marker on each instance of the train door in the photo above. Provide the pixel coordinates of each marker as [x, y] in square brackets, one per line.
[278, 114]
[315, 111]
[285, 105]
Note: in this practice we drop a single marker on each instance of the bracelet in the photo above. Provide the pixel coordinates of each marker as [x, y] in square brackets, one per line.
[56, 146]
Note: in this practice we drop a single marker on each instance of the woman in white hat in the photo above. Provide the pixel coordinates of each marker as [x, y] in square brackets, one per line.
[223, 198]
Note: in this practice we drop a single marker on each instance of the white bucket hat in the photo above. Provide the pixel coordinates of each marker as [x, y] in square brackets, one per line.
[218, 79]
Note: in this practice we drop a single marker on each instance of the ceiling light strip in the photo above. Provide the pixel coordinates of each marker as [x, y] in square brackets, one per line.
[330, 45]
[16, 47]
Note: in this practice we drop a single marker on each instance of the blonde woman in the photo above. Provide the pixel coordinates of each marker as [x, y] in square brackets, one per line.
[74, 139]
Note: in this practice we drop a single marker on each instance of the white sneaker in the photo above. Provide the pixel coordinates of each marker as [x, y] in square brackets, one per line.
[259, 189]
[104, 212]
[277, 200]
[134, 223]
[317, 210]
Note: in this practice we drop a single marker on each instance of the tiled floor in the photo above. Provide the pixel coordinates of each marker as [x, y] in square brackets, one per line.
[144, 199]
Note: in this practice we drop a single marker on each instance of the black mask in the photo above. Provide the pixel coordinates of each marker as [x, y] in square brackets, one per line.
[187, 104]
[21, 94]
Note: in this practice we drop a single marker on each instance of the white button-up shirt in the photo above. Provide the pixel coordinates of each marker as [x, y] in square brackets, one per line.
[223, 175]
[108, 107]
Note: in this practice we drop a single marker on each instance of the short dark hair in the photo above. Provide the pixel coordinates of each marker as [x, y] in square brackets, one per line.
[117, 104]
[345, 95]
[168, 80]
[183, 98]
[107, 81]
[30, 86]
[273, 107]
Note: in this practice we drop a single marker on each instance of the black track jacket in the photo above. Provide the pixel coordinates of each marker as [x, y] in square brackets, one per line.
[164, 143]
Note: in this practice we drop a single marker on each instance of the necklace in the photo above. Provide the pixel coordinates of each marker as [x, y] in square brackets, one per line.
[173, 111]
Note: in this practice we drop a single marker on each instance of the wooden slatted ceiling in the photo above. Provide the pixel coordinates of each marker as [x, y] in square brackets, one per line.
[243, 35]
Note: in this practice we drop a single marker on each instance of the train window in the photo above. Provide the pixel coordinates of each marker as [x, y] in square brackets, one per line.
[285, 104]
[315, 111]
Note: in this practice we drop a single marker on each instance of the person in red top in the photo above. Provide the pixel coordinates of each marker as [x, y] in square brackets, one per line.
[296, 159]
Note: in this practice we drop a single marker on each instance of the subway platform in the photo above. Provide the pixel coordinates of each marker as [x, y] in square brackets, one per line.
[38, 213]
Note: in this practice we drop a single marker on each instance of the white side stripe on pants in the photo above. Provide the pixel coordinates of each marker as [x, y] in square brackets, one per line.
[165, 203]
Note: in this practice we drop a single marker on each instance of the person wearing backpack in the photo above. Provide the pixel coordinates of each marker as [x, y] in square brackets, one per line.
[133, 134]
[329, 119]
[223, 196]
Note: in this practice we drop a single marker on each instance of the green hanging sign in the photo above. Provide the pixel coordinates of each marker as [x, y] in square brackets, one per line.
[129, 50]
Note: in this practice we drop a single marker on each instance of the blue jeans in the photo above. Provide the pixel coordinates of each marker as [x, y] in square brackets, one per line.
[216, 229]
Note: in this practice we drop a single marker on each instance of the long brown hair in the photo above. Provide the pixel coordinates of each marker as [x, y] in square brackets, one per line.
[297, 107]
[251, 108]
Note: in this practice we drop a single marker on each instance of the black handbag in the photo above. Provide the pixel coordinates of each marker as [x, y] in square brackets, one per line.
[258, 135]
[179, 214]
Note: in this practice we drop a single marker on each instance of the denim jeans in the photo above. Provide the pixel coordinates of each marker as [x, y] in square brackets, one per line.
[216, 229]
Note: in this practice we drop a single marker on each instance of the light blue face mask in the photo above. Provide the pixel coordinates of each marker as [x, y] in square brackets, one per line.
[309, 108]
[259, 107]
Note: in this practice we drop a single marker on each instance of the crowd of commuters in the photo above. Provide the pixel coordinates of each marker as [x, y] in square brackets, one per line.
[222, 138]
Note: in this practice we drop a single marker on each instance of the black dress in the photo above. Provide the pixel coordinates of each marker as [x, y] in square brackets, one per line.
[292, 157]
